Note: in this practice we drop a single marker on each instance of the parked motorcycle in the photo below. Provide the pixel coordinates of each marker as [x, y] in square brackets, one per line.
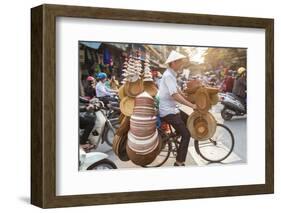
[232, 106]
[104, 128]
[94, 161]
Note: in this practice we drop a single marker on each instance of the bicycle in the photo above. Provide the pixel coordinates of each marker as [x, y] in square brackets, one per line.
[212, 150]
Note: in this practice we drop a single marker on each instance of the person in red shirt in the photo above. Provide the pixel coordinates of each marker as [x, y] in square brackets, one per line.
[228, 82]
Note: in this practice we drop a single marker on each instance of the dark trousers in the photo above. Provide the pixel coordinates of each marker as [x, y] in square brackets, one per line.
[178, 122]
[86, 123]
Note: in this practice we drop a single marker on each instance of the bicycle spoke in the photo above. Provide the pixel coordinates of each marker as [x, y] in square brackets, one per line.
[218, 147]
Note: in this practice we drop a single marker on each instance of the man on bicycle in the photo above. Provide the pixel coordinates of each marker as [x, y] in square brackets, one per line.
[169, 95]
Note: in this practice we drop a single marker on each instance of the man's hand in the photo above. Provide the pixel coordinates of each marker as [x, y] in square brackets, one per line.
[179, 98]
[194, 107]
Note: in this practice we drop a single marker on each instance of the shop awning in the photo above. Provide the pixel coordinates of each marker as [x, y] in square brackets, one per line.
[93, 45]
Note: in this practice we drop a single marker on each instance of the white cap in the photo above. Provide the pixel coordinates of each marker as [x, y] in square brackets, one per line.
[174, 55]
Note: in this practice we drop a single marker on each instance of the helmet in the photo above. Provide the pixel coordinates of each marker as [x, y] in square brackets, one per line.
[102, 75]
[241, 70]
[90, 78]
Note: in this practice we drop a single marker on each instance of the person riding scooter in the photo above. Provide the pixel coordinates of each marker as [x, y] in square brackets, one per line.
[240, 86]
[103, 93]
[86, 122]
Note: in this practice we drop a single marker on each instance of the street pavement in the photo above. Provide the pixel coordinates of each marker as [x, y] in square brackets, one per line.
[239, 154]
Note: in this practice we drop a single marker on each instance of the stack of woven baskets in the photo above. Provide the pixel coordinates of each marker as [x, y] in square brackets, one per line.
[201, 123]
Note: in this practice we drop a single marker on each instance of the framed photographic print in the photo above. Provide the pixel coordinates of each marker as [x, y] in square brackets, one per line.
[136, 106]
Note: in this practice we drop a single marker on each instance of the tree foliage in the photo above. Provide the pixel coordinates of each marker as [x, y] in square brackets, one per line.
[226, 57]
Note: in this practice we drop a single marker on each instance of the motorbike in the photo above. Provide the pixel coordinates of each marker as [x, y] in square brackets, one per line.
[232, 106]
[104, 128]
[94, 161]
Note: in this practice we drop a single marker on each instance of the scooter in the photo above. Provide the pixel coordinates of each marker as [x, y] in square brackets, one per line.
[104, 128]
[94, 161]
[232, 106]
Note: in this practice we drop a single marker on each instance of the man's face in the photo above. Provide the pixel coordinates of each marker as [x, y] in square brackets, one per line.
[177, 65]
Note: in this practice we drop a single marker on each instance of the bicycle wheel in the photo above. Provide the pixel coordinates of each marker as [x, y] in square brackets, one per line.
[109, 132]
[217, 148]
[163, 155]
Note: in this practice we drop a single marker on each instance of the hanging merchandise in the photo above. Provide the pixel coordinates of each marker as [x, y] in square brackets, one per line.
[201, 124]
[132, 72]
[133, 85]
[148, 83]
[138, 113]
[124, 71]
[106, 56]
[143, 143]
[127, 105]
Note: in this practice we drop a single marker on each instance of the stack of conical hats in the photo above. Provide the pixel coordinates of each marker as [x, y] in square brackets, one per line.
[148, 83]
[132, 86]
[143, 144]
[201, 123]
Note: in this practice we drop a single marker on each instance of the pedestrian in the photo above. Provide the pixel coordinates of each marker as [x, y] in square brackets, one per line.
[169, 96]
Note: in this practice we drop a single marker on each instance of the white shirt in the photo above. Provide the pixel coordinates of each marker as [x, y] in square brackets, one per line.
[168, 87]
[102, 90]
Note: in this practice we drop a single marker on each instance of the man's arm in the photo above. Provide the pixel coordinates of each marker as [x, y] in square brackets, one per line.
[110, 90]
[181, 93]
[179, 98]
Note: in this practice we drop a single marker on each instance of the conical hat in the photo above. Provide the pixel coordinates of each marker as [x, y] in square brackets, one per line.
[121, 92]
[143, 159]
[212, 90]
[119, 147]
[202, 100]
[192, 86]
[174, 55]
[122, 152]
[190, 97]
[124, 126]
[132, 89]
[115, 143]
[121, 117]
[201, 126]
[127, 106]
[150, 88]
[214, 98]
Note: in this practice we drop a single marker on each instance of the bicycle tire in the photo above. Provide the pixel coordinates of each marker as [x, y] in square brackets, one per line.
[167, 151]
[106, 163]
[199, 148]
[107, 139]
